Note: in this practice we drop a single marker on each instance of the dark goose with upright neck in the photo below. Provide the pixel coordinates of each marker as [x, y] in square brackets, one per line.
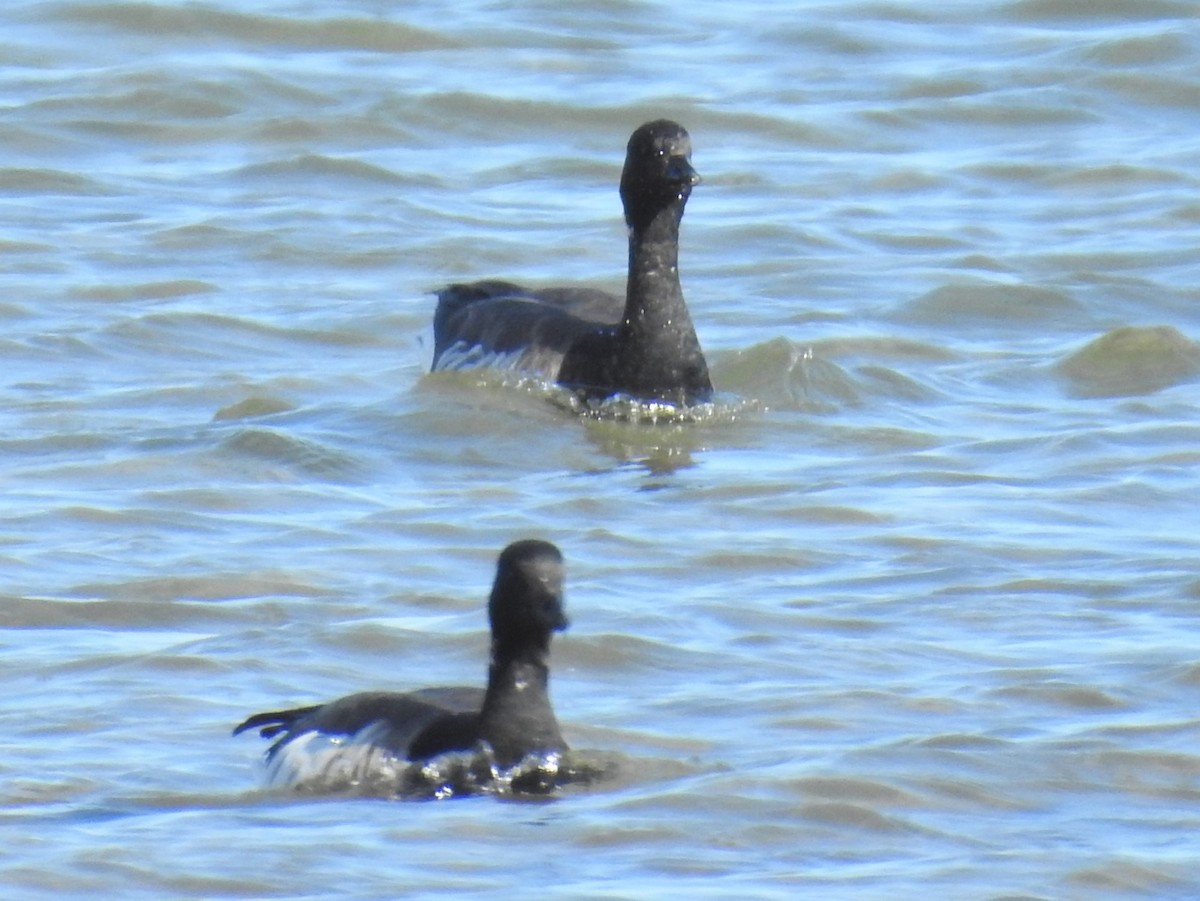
[643, 345]
[512, 715]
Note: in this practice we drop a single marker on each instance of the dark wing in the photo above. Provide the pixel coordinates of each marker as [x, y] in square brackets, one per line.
[396, 718]
[477, 323]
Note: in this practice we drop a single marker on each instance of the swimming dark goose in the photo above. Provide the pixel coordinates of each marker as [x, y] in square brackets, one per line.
[642, 345]
[513, 715]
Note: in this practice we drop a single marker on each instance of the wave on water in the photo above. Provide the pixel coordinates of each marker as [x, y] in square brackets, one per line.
[776, 374]
[197, 23]
[977, 303]
[1130, 361]
[287, 456]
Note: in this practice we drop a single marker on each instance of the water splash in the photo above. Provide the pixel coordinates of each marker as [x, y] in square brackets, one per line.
[334, 764]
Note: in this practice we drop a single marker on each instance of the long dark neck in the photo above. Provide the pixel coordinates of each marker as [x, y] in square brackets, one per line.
[654, 304]
[658, 353]
[517, 716]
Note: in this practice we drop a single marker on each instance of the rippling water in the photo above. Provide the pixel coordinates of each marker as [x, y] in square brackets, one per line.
[914, 615]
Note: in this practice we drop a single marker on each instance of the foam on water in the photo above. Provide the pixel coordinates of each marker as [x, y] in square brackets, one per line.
[324, 764]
